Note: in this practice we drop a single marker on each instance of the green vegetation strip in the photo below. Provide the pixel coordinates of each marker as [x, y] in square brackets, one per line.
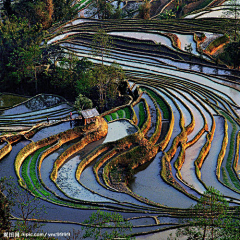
[121, 113]
[33, 172]
[142, 115]
[160, 102]
[114, 116]
[33, 184]
[26, 177]
[127, 112]
[108, 118]
[231, 152]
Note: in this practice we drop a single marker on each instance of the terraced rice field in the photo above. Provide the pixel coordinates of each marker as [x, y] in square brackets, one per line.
[161, 152]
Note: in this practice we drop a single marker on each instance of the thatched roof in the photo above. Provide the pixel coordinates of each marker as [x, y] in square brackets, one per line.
[89, 113]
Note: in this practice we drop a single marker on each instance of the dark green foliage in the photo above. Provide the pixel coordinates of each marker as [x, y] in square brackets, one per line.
[104, 81]
[44, 11]
[7, 7]
[210, 218]
[82, 103]
[100, 221]
[231, 54]
[5, 204]
[123, 87]
[64, 10]
[128, 112]
[101, 43]
[35, 11]
[106, 10]
[20, 53]
[70, 78]
[121, 113]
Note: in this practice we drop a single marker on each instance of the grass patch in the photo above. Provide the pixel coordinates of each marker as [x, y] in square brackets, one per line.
[142, 115]
[108, 118]
[121, 113]
[8, 100]
[128, 113]
[114, 116]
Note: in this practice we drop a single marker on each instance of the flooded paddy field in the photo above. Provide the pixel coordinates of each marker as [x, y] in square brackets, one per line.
[138, 177]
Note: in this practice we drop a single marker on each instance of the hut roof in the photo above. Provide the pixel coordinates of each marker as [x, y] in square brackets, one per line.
[89, 113]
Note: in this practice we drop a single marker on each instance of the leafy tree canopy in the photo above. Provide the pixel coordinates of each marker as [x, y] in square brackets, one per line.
[211, 218]
[96, 227]
[82, 103]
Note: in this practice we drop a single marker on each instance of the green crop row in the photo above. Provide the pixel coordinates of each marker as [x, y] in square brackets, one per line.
[26, 177]
[225, 178]
[160, 102]
[121, 113]
[223, 149]
[108, 118]
[142, 115]
[128, 112]
[231, 152]
[33, 173]
[114, 116]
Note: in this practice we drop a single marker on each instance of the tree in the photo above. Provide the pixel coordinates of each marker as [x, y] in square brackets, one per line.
[231, 54]
[101, 43]
[69, 76]
[5, 215]
[65, 10]
[36, 12]
[144, 10]
[106, 79]
[232, 12]
[23, 205]
[82, 69]
[23, 63]
[210, 218]
[82, 103]
[100, 221]
[20, 52]
[189, 49]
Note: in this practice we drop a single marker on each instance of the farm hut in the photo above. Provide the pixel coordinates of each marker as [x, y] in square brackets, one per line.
[89, 115]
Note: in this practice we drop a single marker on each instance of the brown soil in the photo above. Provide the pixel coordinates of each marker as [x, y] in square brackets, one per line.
[191, 6]
[156, 6]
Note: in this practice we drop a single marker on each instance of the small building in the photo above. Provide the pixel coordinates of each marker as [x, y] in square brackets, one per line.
[89, 115]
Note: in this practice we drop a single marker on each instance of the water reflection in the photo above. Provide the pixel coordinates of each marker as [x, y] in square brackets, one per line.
[119, 129]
